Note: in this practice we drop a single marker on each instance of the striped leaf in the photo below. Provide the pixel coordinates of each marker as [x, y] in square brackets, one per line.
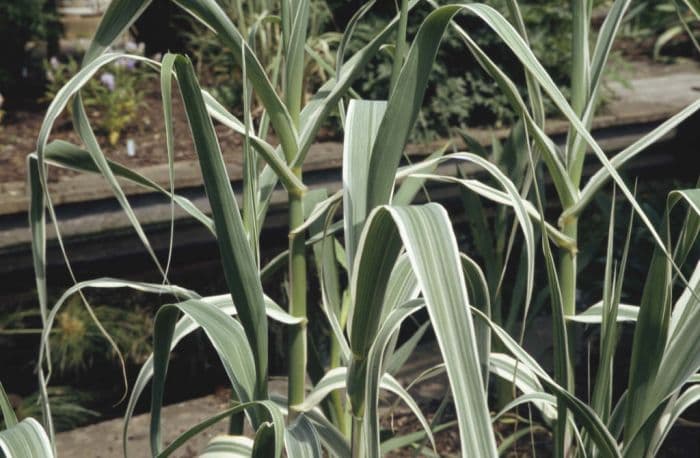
[238, 261]
[426, 234]
[26, 439]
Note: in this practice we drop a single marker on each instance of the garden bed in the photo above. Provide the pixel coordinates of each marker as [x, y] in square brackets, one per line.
[656, 92]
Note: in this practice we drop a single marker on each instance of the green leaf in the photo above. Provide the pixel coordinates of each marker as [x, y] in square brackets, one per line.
[226, 335]
[203, 425]
[67, 155]
[690, 397]
[375, 369]
[27, 439]
[118, 17]
[302, 440]
[427, 236]
[584, 415]
[601, 177]
[185, 326]
[361, 124]
[210, 13]
[659, 365]
[8, 413]
[228, 447]
[332, 439]
[238, 262]
[272, 156]
[507, 368]
[594, 314]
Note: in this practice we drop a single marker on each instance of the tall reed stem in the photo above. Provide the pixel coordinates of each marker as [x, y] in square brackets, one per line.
[297, 276]
[567, 277]
[295, 16]
[357, 449]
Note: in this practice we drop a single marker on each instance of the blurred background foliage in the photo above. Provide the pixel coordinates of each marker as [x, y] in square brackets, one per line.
[30, 31]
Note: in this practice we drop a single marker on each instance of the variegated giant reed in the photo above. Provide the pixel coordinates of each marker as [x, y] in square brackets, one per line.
[399, 258]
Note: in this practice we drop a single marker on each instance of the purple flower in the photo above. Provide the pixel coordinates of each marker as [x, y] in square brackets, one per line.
[127, 63]
[108, 80]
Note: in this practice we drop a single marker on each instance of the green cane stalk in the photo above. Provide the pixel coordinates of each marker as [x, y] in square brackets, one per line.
[295, 17]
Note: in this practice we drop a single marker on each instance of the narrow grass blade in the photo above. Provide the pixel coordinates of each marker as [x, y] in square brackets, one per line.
[67, 155]
[580, 75]
[401, 355]
[401, 113]
[269, 439]
[8, 413]
[272, 156]
[478, 291]
[85, 131]
[441, 17]
[687, 302]
[166, 87]
[295, 24]
[601, 53]
[210, 13]
[602, 176]
[53, 312]
[534, 91]
[519, 207]
[319, 107]
[347, 34]
[412, 439]
[336, 379]
[563, 370]
[37, 225]
[327, 97]
[118, 17]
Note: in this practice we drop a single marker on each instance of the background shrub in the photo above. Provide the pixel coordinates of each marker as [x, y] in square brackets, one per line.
[22, 22]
